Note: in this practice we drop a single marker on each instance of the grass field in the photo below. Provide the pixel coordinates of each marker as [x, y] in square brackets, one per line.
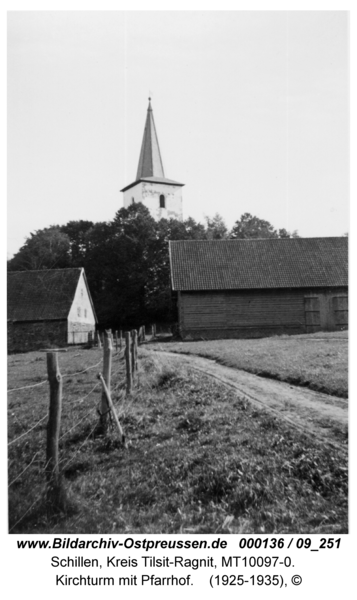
[318, 361]
[199, 459]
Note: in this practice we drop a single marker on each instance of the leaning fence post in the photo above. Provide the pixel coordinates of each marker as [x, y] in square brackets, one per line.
[107, 368]
[129, 379]
[111, 405]
[55, 493]
[120, 339]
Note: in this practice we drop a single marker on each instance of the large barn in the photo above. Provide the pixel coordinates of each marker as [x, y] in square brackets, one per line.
[260, 287]
[48, 307]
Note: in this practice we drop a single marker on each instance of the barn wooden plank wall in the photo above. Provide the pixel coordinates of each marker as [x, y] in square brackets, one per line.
[290, 310]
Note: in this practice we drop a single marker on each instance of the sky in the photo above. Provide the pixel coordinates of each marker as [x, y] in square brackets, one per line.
[251, 111]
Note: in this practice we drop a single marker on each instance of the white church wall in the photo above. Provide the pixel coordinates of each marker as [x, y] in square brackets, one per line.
[149, 194]
[135, 194]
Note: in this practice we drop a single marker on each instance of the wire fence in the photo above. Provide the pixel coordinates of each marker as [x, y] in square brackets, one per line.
[36, 468]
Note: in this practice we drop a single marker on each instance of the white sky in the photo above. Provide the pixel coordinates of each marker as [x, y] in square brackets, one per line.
[251, 111]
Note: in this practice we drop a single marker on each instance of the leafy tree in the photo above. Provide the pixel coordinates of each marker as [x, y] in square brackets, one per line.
[216, 228]
[118, 262]
[248, 227]
[160, 302]
[45, 249]
[194, 230]
[76, 231]
[127, 260]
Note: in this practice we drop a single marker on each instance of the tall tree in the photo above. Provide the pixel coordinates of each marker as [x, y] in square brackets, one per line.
[216, 228]
[76, 231]
[248, 227]
[47, 248]
[159, 299]
[127, 260]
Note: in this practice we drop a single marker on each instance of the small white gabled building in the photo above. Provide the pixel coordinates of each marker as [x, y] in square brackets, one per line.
[162, 196]
[48, 307]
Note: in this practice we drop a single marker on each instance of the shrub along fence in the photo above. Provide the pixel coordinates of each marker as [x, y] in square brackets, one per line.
[55, 493]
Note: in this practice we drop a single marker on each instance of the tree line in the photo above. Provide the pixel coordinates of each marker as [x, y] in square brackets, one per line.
[126, 260]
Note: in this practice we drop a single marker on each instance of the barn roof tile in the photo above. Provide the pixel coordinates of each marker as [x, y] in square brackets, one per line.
[259, 263]
[41, 295]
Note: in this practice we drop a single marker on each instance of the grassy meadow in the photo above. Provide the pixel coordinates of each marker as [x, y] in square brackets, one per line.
[318, 361]
[199, 458]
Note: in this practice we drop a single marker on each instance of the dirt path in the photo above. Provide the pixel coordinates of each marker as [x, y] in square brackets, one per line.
[320, 415]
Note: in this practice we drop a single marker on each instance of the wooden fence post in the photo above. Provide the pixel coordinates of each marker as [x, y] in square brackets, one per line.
[99, 340]
[107, 369]
[120, 339]
[116, 341]
[111, 405]
[144, 333]
[134, 351]
[55, 492]
[129, 379]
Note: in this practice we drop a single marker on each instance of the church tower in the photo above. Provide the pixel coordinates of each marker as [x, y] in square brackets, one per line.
[162, 196]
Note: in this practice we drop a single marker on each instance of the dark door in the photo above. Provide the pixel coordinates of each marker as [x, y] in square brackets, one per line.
[312, 314]
[340, 311]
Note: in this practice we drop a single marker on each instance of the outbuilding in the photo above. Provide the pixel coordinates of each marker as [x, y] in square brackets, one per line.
[260, 287]
[48, 307]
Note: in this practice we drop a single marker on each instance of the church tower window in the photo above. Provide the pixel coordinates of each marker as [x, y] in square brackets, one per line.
[162, 201]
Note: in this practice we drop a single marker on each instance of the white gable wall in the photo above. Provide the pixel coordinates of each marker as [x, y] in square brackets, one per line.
[81, 319]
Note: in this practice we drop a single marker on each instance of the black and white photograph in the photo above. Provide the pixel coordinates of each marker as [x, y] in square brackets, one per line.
[177, 280]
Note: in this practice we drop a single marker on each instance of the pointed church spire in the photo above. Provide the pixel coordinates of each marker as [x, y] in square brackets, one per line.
[150, 163]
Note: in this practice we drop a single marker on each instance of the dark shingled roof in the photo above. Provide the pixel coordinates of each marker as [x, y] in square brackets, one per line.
[259, 263]
[150, 167]
[153, 180]
[41, 295]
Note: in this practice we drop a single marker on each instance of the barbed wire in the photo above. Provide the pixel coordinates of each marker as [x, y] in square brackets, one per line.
[25, 469]
[80, 421]
[26, 432]
[84, 370]
[72, 402]
[78, 449]
[83, 397]
[25, 387]
[24, 515]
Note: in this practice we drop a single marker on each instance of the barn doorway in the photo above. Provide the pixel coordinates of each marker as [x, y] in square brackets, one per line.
[326, 312]
[312, 314]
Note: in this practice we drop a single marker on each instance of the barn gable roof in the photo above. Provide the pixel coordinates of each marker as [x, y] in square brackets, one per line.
[259, 263]
[41, 295]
